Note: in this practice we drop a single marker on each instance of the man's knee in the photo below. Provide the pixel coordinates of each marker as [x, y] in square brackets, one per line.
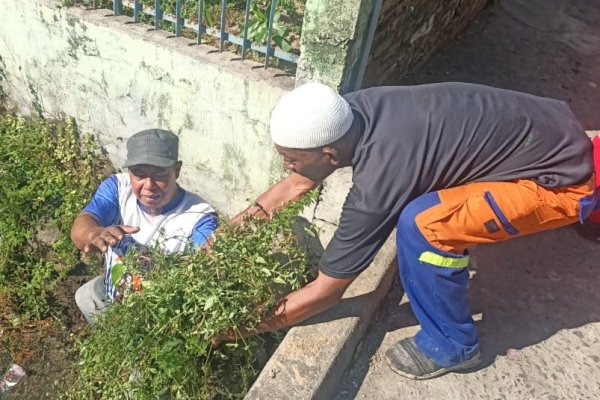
[90, 298]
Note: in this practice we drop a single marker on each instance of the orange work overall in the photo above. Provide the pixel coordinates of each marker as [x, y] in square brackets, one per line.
[435, 230]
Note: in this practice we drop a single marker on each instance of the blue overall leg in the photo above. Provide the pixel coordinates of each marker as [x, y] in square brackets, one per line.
[437, 294]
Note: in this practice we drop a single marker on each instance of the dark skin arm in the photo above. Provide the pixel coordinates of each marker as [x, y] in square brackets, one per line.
[290, 188]
[88, 235]
[314, 298]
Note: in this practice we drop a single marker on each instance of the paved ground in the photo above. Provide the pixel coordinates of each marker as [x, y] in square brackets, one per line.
[536, 299]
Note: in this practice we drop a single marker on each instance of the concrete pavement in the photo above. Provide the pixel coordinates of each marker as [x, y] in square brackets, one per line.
[537, 303]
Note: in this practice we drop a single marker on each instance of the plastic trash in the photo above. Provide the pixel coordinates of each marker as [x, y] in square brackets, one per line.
[11, 377]
[514, 355]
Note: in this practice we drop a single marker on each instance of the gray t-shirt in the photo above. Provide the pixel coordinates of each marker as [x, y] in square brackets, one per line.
[419, 139]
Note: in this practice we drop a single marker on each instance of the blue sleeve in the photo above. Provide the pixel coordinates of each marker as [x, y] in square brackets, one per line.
[204, 228]
[105, 203]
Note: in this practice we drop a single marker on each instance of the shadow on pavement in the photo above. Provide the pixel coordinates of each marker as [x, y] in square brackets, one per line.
[522, 292]
[530, 288]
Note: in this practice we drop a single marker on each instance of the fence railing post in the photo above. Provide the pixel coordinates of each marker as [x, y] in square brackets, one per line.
[223, 23]
[270, 31]
[201, 29]
[117, 7]
[137, 10]
[157, 14]
[245, 37]
[178, 21]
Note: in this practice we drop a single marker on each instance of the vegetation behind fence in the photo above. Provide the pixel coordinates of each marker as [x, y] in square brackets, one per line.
[262, 30]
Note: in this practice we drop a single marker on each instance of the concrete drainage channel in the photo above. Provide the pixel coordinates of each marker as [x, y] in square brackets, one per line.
[310, 361]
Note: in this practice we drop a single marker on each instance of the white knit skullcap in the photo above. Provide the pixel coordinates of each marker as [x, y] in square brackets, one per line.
[310, 116]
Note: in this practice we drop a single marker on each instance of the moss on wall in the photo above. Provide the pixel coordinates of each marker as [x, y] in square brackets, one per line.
[333, 37]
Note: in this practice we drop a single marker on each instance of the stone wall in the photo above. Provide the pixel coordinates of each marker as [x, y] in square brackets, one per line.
[116, 78]
[410, 31]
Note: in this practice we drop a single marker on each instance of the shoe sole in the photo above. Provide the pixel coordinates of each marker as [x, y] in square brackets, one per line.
[465, 365]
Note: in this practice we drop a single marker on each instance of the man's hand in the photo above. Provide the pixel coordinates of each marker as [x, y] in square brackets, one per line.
[231, 335]
[89, 235]
[314, 298]
[100, 239]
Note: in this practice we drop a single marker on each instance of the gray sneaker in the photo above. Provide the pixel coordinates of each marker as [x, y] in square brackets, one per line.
[406, 359]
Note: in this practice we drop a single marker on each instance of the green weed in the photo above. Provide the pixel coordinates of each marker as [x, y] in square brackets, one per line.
[47, 174]
[259, 25]
[158, 343]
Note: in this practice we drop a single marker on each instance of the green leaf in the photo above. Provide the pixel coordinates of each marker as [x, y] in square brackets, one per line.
[210, 302]
[260, 260]
[282, 43]
[116, 273]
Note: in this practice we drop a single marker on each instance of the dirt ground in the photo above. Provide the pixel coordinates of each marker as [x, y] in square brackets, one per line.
[535, 299]
[45, 349]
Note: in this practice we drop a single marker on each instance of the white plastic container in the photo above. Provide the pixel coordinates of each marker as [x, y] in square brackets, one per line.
[11, 377]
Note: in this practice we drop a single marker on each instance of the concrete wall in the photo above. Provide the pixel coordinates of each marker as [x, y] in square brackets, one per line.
[410, 31]
[117, 78]
[334, 34]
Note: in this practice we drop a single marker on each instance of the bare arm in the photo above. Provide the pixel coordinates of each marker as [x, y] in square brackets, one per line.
[89, 235]
[314, 298]
[290, 188]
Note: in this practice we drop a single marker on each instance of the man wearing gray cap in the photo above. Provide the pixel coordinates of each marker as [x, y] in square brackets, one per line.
[144, 206]
[448, 165]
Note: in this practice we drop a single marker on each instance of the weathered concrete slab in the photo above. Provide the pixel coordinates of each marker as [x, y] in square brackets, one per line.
[312, 358]
[326, 213]
[568, 20]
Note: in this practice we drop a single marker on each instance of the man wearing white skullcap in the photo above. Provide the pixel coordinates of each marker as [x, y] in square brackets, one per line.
[311, 116]
[449, 165]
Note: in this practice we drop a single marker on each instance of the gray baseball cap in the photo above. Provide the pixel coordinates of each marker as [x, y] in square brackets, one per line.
[156, 147]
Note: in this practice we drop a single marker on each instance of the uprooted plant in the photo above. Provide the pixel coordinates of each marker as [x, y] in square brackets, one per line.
[159, 341]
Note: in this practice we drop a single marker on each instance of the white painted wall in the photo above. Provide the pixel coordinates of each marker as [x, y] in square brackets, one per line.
[117, 78]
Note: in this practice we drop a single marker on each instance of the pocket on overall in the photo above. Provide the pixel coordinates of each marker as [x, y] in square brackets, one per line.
[506, 224]
[525, 207]
[458, 222]
[487, 212]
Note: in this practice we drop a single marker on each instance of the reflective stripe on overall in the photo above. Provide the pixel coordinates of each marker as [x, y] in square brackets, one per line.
[435, 230]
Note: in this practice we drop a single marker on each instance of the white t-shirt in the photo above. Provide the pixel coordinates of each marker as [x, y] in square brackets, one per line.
[186, 218]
